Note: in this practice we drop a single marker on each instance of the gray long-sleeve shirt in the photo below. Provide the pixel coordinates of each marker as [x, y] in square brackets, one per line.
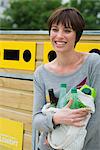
[88, 73]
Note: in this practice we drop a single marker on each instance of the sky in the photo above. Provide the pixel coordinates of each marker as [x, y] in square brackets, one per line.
[65, 1]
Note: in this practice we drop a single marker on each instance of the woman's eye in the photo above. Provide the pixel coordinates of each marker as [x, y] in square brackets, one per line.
[67, 30]
[54, 29]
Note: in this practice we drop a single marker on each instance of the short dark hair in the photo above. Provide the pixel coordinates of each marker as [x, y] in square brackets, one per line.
[69, 17]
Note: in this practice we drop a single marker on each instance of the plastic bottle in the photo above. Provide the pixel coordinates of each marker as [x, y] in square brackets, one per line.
[88, 90]
[74, 96]
[53, 99]
[62, 99]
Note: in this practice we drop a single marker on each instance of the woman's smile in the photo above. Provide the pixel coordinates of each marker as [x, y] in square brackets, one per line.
[60, 43]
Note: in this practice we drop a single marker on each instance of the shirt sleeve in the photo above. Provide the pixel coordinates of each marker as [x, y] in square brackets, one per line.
[40, 121]
[95, 81]
[93, 129]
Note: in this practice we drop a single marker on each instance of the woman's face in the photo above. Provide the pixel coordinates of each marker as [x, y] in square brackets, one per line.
[62, 38]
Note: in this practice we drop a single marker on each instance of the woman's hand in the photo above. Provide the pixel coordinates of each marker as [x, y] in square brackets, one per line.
[69, 116]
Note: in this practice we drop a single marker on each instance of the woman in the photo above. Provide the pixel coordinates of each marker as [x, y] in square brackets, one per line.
[73, 68]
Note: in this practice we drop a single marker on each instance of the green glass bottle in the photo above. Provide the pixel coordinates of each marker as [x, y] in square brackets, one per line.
[74, 96]
[62, 98]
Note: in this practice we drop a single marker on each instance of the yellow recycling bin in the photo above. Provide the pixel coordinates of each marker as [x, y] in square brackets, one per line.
[11, 134]
[81, 46]
[17, 55]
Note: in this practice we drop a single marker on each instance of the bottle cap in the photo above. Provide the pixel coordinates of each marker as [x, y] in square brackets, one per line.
[86, 91]
[63, 85]
[50, 90]
[74, 90]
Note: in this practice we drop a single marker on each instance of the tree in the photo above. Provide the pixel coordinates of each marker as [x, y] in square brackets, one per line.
[33, 14]
[90, 10]
[28, 14]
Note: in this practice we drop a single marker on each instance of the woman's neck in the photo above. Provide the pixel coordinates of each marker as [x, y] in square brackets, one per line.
[66, 64]
[63, 60]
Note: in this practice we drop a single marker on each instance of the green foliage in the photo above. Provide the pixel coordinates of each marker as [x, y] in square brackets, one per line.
[90, 9]
[33, 14]
[28, 14]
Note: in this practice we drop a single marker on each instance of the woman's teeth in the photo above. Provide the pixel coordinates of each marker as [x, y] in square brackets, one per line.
[60, 42]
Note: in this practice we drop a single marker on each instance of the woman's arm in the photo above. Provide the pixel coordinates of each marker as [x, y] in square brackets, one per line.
[41, 122]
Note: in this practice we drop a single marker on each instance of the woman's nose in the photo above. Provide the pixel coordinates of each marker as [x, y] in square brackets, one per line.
[60, 34]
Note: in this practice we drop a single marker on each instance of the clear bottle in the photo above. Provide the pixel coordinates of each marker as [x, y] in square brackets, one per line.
[53, 99]
[74, 96]
[62, 98]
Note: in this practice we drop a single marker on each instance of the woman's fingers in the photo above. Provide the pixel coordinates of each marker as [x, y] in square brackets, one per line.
[79, 124]
[82, 111]
[79, 119]
[69, 103]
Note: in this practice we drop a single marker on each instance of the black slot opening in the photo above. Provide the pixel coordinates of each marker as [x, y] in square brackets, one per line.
[11, 54]
[27, 55]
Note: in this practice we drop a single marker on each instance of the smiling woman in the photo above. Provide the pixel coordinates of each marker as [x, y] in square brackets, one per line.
[71, 21]
[69, 67]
